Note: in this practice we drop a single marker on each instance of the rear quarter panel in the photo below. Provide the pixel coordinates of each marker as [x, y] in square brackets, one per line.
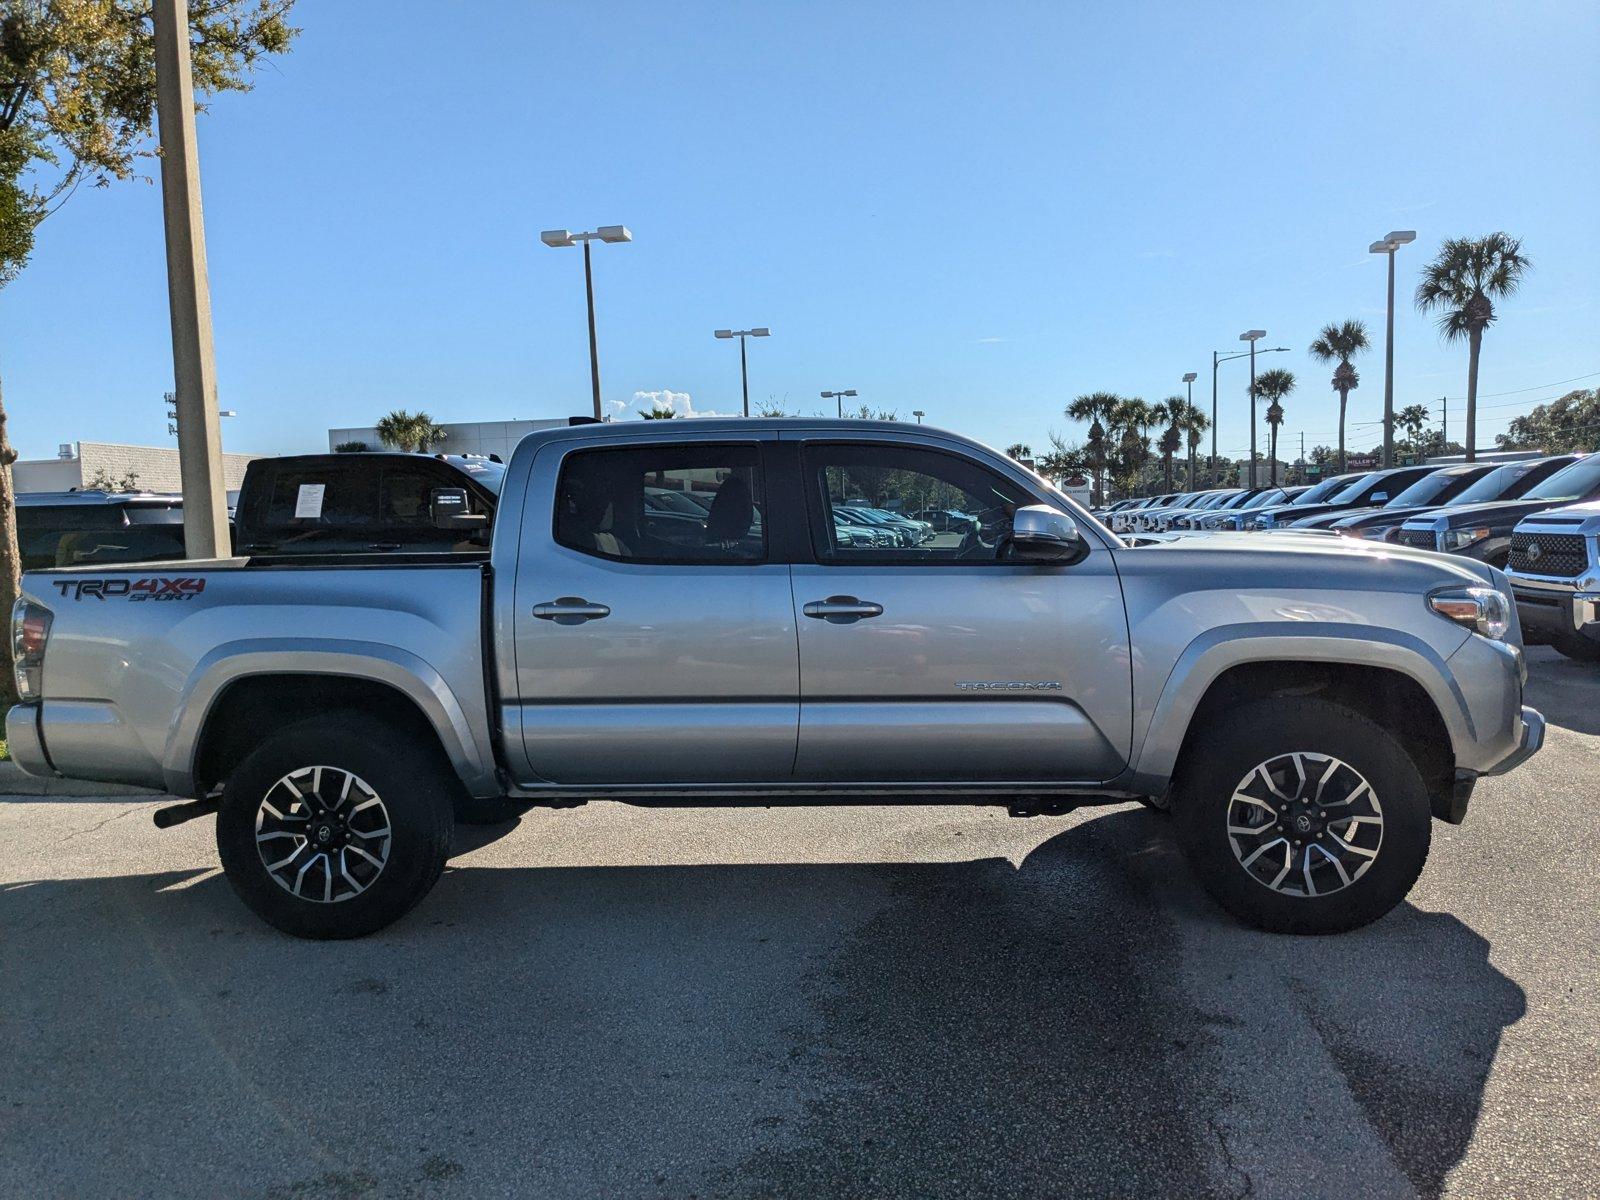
[132, 669]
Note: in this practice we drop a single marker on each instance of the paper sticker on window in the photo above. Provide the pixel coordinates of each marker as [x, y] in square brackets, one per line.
[309, 501]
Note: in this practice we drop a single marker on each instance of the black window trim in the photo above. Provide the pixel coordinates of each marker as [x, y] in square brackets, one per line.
[760, 447]
[816, 527]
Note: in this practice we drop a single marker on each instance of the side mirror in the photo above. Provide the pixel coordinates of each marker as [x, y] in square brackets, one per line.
[448, 509]
[1380, 497]
[1041, 532]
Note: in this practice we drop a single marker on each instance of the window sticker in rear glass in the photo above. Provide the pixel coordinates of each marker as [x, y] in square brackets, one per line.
[309, 501]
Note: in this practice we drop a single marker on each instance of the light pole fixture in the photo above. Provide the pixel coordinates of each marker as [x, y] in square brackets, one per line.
[1217, 358]
[918, 414]
[744, 371]
[565, 237]
[1390, 243]
[839, 396]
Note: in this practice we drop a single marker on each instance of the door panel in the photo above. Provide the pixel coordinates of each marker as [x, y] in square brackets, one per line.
[943, 659]
[690, 673]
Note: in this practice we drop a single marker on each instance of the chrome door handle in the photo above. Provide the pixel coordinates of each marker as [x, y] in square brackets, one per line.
[842, 610]
[570, 610]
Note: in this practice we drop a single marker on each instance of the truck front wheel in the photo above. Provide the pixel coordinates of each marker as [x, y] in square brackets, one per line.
[335, 827]
[1300, 815]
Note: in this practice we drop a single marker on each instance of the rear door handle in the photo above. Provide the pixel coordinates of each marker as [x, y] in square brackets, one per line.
[570, 610]
[842, 610]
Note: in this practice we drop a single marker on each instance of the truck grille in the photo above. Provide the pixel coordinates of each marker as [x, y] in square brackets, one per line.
[1557, 554]
[1422, 539]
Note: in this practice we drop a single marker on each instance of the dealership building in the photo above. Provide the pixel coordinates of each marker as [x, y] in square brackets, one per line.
[81, 466]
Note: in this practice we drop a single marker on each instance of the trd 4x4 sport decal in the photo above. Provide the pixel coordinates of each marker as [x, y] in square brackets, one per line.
[153, 588]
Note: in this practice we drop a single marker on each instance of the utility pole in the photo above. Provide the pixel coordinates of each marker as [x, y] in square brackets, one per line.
[1444, 424]
[194, 360]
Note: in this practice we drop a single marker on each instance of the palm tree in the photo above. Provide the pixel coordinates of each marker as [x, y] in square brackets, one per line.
[1096, 408]
[1272, 386]
[1131, 419]
[1337, 344]
[1019, 451]
[1170, 411]
[1194, 424]
[409, 431]
[1461, 284]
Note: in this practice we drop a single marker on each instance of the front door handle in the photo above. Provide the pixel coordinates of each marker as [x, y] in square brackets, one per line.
[570, 610]
[842, 610]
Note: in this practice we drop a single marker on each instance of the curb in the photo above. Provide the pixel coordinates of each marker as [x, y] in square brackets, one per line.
[14, 781]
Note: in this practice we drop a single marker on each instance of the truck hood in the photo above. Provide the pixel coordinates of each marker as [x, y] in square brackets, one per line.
[1316, 559]
[1493, 513]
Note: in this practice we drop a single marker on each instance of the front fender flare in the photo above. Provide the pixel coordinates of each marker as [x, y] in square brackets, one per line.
[1211, 653]
[471, 758]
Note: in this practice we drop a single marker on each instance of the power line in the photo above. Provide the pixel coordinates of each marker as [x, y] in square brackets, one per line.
[1535, 388]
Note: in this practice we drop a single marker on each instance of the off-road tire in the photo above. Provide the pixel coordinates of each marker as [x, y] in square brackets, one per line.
[416, 789]
[1221, 756]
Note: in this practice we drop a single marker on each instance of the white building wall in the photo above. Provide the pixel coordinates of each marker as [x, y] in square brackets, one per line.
[155, 468]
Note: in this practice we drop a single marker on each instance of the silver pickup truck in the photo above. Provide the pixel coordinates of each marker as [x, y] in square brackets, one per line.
[667, 615]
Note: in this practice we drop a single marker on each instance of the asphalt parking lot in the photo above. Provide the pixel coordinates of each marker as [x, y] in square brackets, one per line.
[827, 1002]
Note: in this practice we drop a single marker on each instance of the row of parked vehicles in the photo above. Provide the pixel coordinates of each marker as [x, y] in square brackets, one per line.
[1537, 519]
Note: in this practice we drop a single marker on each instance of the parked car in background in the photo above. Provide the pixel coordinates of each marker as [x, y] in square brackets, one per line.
[311, 505]
[1202, 502]
[66, 529]
[1264, 500]
[335, 720]
[1479, 523]
[1383, 521]
[1554, 569]
[1197, 520]
[1372, 488]
[1128, 518]
[946, 520]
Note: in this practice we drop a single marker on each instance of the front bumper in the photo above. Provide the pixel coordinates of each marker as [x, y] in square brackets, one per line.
[1553, 611]
[1529, 744]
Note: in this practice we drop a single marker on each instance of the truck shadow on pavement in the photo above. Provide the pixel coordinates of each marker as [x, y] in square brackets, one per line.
[1086, 1025]
[1565, 691]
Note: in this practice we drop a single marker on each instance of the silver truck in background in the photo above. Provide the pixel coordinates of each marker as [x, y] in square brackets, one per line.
[1554, 570]
[667, 613]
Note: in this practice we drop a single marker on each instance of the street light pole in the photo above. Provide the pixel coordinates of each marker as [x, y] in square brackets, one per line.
[744, 371]
[918, 414]
[1391, 243]
[1218, 357]
[839, 396]
[194, 360]
[1188, 378]
[565, 237]
[1252, 336]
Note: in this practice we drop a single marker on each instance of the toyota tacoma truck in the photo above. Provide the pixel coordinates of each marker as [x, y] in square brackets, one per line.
[1302, 708]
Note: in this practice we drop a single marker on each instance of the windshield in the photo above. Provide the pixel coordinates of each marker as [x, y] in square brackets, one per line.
[1326, 489]
[1569, 483]
[1441, 485]
[1499, 483]
[1270, 496]
[1351, 490]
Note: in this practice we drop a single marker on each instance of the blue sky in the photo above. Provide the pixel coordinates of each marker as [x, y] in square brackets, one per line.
[980, 210]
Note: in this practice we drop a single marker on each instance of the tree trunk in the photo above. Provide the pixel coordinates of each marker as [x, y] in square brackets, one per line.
[1344, 398]
[1474, 345]
[1166, 472]
[1272, 457]
[10, 560]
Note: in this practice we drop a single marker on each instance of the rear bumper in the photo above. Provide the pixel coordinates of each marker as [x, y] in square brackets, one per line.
[25, 743]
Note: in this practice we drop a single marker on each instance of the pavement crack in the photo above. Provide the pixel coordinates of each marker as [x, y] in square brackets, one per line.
[1228, 1159]
[99, 825]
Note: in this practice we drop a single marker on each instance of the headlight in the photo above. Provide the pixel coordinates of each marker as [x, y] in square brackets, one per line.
[1482, 609]
[1355, 533]
[1460, 539]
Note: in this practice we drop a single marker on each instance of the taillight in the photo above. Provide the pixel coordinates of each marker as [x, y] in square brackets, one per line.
[30, 630]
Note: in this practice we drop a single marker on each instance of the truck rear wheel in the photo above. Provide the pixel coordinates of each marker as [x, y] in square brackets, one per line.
[1300, 815]
[335, 827]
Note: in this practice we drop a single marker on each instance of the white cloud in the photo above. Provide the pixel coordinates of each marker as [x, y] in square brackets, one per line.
[991, 341]
[679, 402]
